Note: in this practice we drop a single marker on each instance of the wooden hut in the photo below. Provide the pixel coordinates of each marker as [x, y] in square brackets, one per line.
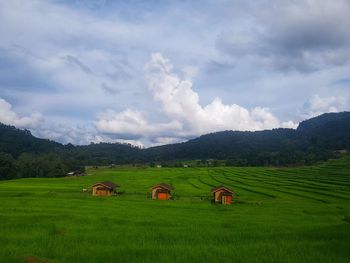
[161, 191]
[104, 188]
[222, 195]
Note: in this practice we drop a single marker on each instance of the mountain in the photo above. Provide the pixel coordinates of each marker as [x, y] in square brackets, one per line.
[108, 153]
[327, 123]
[328, 131]
[314, 140]
[15, 142]
[253, 148]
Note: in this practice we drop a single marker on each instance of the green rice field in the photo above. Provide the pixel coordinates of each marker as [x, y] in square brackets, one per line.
[279, 215]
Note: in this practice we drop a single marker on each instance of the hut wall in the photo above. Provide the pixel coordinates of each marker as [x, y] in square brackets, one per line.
[94, 190]
[227, 199]
[219, 198]
[154, 192]
[217, 195]
[161, 195]
[101, 192]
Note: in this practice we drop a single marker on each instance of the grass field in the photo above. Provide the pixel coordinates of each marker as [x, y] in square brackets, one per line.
[280, 215]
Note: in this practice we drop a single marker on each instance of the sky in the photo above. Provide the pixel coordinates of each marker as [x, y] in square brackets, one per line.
[157, 72]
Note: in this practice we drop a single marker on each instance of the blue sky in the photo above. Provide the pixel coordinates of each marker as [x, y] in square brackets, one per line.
[156, 72]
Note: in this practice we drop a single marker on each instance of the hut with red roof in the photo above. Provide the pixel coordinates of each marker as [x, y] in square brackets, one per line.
[161, 191]
[104, 188]
[222, 195]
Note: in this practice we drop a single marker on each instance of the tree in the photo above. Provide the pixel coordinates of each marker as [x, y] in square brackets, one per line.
[7, 166]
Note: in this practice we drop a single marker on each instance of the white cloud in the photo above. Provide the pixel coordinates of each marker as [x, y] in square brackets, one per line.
[78, 134]
[165, 140]
[137, 143]
[9, 117]
[318, 105]
[180, 104]
[70, 73]
[289, 125]
[68, 133]
[64, 133]
[131, 124]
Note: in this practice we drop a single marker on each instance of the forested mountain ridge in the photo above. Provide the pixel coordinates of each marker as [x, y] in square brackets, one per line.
[329, 130]
[15, 142]
[316, 139]
[241, 148]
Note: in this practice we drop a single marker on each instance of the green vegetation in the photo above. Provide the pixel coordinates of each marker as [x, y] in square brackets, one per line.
[315, 140]
[280, 215]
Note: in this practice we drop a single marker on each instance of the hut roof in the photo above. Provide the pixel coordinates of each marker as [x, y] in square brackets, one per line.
[164, 185]
[215, 189]
[107, 184]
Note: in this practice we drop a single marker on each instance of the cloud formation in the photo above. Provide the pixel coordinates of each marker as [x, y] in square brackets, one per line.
[292, 35]
[131, 124]
[239, 65]
[180, 105]
[318, 105]
[8, 116]
[180, 102]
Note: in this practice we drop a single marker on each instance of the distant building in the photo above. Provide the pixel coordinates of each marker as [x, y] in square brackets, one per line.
[158, 166]
[75, 173]
[343, 151]
[185, 166]
[161, 191]
[222, 195]
[104, 188]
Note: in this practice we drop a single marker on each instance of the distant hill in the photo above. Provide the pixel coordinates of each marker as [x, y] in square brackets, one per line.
[108, 153]
[328, 131]
[328, 122]
[240, 147]
[314, 140]
[15, 142]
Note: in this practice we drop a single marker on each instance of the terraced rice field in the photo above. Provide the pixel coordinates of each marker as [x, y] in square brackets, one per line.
[279, 215]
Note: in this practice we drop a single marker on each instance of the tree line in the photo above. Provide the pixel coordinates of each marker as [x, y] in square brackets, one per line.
[317, 139]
